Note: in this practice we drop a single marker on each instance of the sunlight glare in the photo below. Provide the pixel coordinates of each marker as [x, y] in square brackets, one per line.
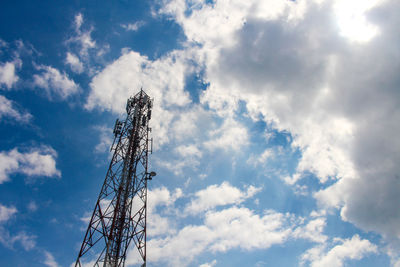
[352, 21]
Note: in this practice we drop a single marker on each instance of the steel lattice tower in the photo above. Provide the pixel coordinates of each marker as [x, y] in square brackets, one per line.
[120, 214]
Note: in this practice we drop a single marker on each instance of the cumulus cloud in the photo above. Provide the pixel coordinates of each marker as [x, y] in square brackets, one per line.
[318, 70]
[163, 197]
[347, 249]
[231, 135]
[294, 66]
[191, 124]
[219, 195]
[175, 116]
[159, 223]
[55, 83]
[8, 76]
[188, 151]
[188, 156]
[221, 231]
[173, 242]
[39, 161]
[162, 79]
[8, 109]
[313, 230]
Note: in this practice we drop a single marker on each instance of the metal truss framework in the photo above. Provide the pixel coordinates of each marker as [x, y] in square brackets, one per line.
[120, 214]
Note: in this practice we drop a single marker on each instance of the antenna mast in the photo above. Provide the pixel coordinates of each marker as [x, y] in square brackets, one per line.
[120, 213]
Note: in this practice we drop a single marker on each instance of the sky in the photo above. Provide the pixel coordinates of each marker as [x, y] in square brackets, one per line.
[275, 127]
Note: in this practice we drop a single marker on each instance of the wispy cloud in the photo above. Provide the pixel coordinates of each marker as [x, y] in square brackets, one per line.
[82, 38]
[50, 261]
[133, 26]
[74, 62]
[9, 109]
[8, 240]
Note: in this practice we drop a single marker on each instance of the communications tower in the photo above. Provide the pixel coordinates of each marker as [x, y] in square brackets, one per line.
[119, 216]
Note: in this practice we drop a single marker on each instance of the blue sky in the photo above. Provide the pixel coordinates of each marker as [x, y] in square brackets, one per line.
[275, 128]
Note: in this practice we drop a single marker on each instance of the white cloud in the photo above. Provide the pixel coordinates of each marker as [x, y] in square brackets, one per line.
[25, 240]
[219, 195]
[9, 109]
[8, 240]
[215, 24]
[232, 229]
[189, 129]
[312, 230]
[50, 260]
[188, 157]
[231, 135]
[257, 160]
[223, 230]
[74, 62]
[162, 197]
[191, 124]
[55, 83]
[338, 97]
[209, 264]
[106, 139]
[6, 213]
[392, 252]
[177, 165]
[348, 249]
[162, 79]
[82, 38]
[78, 21]
[8, 76]
[173, 242]
[133, 26]
[188, 151]
[159, 224]
[291, 65]
[352, 21]
[39, 161]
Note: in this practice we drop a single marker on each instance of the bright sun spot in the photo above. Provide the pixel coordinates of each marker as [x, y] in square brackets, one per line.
[352, 21]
